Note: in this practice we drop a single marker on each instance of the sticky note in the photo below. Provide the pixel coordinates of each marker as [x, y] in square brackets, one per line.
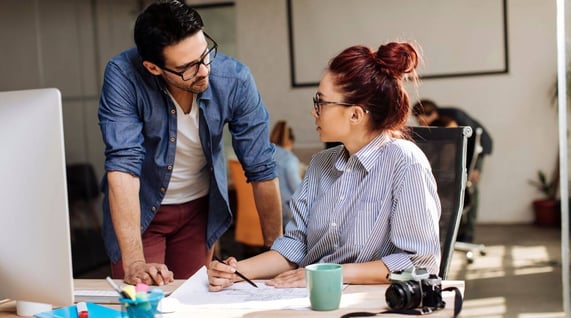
[130, 290]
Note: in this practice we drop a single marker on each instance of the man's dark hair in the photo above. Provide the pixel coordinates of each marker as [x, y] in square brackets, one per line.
[164, 23]
[424, 107]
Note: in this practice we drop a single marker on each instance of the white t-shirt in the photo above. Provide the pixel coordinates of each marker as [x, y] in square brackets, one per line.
[190, 177]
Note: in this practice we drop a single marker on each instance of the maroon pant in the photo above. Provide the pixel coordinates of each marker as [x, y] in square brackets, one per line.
[176, 237]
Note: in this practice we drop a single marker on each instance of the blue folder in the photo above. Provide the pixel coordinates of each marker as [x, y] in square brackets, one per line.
[95, 311]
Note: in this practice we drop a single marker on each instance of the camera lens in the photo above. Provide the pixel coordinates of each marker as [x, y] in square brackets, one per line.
[403, 295]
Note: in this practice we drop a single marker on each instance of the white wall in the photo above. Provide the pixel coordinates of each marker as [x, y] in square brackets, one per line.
[66, 43]
[515, 107]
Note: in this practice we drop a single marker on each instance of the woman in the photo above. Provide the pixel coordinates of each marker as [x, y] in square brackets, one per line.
[369, 204]
[288, 165]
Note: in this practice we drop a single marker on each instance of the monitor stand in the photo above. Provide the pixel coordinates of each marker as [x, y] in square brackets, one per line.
[28, 308]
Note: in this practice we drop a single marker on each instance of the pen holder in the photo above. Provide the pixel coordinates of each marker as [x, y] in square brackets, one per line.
[141, 307]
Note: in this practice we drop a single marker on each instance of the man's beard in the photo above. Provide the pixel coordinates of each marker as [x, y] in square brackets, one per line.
[199, 88]
[193, 87]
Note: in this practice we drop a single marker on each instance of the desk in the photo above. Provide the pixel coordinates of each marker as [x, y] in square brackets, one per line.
[355, 298]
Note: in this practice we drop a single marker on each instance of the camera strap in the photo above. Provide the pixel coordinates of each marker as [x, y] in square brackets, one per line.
[415, 312]
[457, 299]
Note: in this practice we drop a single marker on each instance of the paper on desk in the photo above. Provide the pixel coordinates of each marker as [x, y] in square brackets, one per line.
[194, 292]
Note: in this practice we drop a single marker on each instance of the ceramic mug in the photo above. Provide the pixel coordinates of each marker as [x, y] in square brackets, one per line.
[324, 285]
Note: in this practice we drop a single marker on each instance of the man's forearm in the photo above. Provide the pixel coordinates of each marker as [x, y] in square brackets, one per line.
[268, 204]
[126, 215]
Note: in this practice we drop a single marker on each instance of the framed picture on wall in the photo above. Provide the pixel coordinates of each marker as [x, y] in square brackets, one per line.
[456, 37]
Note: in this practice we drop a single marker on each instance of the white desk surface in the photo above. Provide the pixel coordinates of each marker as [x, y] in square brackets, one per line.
[370, 298]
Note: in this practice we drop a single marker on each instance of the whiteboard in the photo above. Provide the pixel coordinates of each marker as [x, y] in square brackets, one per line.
[456, 37]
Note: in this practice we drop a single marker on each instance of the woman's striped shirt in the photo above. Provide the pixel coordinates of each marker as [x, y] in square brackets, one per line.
[378, 204]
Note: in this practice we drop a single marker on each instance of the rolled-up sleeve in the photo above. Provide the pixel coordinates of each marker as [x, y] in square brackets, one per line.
[120, 124]
[293, 244]
[250, 131]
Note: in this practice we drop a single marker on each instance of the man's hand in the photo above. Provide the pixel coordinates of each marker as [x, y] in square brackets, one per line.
[148, 273]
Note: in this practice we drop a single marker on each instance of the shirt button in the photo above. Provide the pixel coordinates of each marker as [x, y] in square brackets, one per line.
[348, 170]
[154, 209]
[333, 224]
[341, 198]
[173, 139]
[173, 111]
[163, 190]
[336, 245]
[169, 168]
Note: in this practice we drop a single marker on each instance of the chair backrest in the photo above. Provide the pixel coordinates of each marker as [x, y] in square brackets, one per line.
[82, 184]
[247, 228]
[476, 152]
[445, 148]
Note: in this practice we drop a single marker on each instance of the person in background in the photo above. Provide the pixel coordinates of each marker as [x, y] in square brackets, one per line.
[162, 111]
[287, 164]
[428, 113]
[371, 203]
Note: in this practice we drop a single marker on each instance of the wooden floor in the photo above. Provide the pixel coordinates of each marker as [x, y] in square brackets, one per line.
[519, 277]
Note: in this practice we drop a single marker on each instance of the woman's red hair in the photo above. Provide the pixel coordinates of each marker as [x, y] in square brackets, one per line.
[375, 80]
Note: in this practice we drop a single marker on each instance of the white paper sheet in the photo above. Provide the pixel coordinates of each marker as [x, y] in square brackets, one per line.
[194, 292]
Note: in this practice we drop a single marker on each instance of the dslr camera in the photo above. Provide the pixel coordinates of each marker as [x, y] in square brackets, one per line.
[414, 288]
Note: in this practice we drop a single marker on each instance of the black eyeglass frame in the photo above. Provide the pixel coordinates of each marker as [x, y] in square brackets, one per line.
[318, 104]
[197, 64]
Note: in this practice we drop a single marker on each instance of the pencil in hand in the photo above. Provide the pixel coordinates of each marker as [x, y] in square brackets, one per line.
[238, 273]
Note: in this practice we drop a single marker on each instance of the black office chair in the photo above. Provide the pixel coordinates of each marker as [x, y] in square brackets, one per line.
[445, 149]
[87, 247]
[82, 191]
[469, 247]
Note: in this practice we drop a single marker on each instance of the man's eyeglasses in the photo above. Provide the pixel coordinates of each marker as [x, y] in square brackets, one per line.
[192, 69]
[318, 103]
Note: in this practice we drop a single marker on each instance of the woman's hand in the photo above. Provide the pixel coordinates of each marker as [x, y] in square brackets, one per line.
[291, 278]
[221, 275]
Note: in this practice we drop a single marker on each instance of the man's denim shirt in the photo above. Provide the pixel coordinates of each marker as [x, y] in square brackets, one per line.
[138, 122]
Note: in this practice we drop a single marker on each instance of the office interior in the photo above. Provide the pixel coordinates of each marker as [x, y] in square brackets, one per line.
[66, 44]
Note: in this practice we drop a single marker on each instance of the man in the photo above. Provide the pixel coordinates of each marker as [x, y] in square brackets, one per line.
[162, 112]
[428, 113]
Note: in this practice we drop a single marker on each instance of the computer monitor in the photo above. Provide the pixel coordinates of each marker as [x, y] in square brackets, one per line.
[35, 253]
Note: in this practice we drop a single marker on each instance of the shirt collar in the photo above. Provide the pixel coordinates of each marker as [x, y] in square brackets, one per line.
[367, 155]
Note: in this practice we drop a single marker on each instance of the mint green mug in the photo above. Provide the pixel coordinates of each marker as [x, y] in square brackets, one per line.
[324, 285]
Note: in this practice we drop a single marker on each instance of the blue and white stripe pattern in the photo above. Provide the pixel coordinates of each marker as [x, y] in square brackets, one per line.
[379, 204]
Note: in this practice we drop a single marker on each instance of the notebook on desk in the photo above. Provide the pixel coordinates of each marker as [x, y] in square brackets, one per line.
[100, 296]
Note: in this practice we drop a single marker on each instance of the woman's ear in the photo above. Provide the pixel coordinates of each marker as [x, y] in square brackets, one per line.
[358, 114]
[152, 68]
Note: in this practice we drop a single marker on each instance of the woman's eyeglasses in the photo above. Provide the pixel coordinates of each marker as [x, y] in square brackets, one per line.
[318, 103]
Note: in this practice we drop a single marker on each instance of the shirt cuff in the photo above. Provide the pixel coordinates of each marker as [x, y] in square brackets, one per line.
[398, 262]
[293, 250]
